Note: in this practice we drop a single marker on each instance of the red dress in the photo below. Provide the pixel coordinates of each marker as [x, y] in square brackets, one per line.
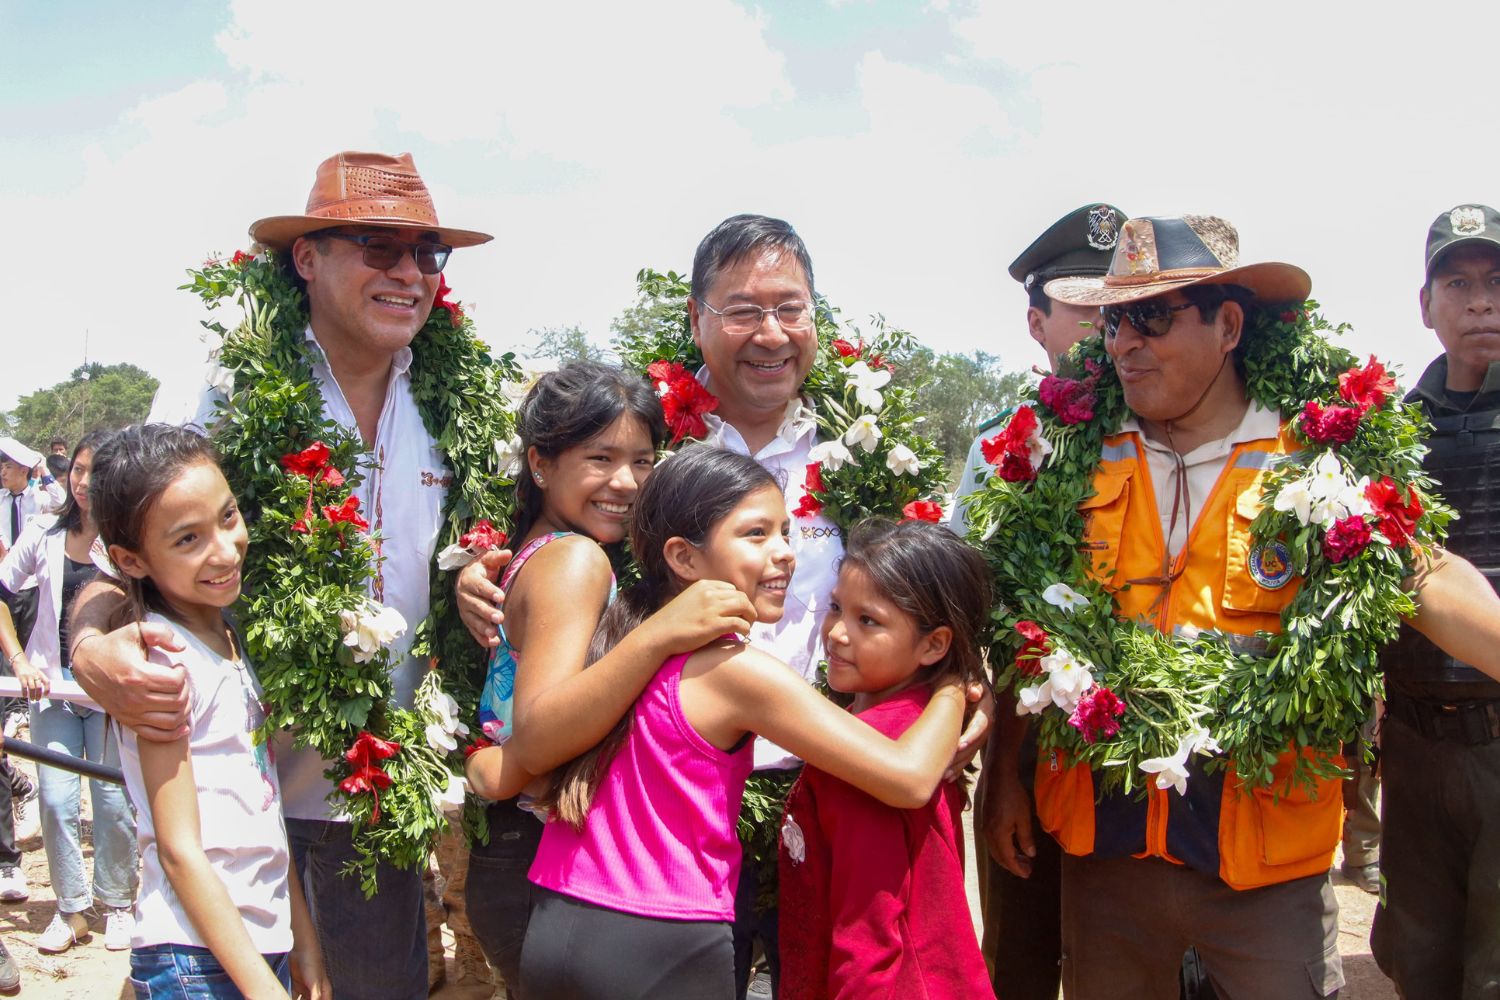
[872, 898]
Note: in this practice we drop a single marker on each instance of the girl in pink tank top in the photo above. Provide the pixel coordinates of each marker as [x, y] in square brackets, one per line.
[639, 861]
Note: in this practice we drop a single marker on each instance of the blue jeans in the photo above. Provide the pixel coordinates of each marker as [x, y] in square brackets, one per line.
[183, 972]
[374, 949]
[81, 732]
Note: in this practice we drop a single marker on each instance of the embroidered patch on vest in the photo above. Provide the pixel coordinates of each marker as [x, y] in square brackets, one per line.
[1271, 565]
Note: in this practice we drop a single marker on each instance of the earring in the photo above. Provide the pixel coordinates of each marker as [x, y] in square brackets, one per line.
[538, 477]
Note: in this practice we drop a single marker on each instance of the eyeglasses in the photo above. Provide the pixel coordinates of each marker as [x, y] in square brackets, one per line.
[793, 317]
[1151, 319]
[385, 252]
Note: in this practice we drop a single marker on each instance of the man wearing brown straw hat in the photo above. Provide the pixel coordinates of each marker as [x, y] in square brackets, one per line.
[368, 251]
[1145, 878]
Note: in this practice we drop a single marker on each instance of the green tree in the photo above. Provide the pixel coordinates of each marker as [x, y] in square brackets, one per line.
[958, 392]
[660, 308]
[94, 397]
[565, 343]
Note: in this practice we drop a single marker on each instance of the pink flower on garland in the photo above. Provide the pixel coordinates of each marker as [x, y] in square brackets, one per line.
[1346, 538]
[1097, 715]
[1070, 398]
[1330, 424]
[483, 535]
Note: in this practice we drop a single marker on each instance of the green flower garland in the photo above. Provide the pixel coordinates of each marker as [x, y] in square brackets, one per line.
[310, 559]
[1313, 686]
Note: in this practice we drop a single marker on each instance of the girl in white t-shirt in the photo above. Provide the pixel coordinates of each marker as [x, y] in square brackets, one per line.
[220, 912]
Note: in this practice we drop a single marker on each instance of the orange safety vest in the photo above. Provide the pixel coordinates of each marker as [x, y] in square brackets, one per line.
[1247, 837]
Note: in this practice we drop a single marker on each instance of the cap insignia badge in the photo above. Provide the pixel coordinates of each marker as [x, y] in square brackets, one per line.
[1466, 221]
[1030, 280]
[1103, 233]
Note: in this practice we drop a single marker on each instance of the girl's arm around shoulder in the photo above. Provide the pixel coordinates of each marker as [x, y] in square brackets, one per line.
[752, 691]
[172, 797]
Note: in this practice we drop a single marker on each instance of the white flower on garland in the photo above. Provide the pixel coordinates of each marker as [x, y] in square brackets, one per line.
[1066, 680]
[370, 630]
[798, 421]
[831, 455]
[450, 801]
[903, 461]
[442, 714]
[1325, 494]
[867, 383]
[509, 452]
[1172, 772]
[1060, 595]
[863, 433]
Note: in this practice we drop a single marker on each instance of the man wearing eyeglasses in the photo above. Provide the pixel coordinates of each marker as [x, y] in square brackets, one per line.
[1243, 878]
[367, 251]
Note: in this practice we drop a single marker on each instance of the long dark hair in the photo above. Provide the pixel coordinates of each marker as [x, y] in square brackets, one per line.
[932, 575]
[131, 471]
[70, 515]
[568, 407]
[684, 498]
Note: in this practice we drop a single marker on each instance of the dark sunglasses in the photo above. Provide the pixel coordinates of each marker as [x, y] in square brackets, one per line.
[385, 252]
[1151, 319]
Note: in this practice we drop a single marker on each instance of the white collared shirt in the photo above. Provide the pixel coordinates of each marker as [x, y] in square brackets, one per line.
[817, 542]
[406, 481]
[1203, 464]
[34, 502]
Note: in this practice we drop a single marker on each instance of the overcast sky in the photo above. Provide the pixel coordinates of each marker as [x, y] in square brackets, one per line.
[918, 148]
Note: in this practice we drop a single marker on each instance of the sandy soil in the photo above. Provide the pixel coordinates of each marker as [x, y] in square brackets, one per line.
[89, 972]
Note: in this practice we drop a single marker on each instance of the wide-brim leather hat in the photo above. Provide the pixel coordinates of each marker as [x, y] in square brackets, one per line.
[1157, 255]
[364, 189]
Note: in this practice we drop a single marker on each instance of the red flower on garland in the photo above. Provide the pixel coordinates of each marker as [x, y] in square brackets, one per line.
[241, 258]
[1097, 714]
[1010, 451]
[1346, 538]
[1396, 519]
[365, 757]
[347, 513]
[684, 401]
[483, 535]
[1034, 646]
[1330, 424]
[846, 349]
[1367, 387]
[440, 301]
[809, 505]
[922, 510]
[480, 743]
[312, 462]
[301, 527]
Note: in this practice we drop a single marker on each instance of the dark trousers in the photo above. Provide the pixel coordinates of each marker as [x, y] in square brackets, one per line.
[1437, 929]
[1127, 922]
[374, 949]
[578, 951]
[497, 893]
[752, 925]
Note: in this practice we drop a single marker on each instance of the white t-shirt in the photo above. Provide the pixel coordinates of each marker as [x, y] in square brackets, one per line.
[239, 809]
[819, 545]
[406, 481]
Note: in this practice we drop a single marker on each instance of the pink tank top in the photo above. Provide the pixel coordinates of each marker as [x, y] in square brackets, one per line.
[660, 839]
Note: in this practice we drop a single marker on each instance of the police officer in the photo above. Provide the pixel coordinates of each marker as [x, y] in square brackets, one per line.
[1019, 866]
[1437, 929]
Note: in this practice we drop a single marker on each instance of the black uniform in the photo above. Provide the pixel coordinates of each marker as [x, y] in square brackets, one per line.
[1437, 930]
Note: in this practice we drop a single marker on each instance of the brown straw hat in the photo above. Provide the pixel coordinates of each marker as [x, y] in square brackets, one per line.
[364, 189]
[1158, 255]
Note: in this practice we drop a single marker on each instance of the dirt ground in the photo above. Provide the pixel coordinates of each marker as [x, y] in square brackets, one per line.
[89, 972]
